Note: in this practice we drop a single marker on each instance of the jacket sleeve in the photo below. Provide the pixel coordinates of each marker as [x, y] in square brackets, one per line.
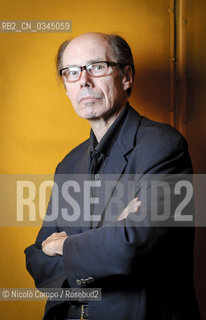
[47, 271]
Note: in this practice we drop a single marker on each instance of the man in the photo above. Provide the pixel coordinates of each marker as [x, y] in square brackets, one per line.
[144, 272]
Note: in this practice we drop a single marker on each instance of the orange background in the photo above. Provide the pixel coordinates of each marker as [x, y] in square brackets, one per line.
[39, 126]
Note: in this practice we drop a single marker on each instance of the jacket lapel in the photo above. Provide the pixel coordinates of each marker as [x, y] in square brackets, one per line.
[116, 163]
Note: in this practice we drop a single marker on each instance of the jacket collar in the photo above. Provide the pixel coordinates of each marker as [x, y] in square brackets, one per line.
[126, 139]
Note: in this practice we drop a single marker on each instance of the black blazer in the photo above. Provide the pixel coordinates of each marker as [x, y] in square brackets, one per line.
[144, 272]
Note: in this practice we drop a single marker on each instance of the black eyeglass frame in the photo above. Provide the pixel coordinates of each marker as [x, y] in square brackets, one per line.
[109, 63]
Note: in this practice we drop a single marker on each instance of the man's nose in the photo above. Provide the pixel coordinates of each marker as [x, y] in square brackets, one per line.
[85, 79]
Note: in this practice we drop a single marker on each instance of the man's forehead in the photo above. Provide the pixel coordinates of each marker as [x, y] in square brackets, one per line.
[86, 48]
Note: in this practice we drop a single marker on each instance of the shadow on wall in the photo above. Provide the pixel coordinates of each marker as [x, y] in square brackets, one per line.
[151, 93]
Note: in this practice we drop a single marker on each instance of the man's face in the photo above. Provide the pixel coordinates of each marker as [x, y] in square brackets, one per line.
[94, 97]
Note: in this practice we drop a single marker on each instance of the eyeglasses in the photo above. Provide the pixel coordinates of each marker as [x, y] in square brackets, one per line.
[95, 69]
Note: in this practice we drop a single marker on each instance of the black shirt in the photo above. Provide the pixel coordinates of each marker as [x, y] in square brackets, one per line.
[100, 151]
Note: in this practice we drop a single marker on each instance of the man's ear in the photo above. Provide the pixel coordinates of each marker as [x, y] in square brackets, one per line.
[127, 79]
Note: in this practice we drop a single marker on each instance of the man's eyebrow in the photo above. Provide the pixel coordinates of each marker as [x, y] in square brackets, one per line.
[88, 62]
[95, 60]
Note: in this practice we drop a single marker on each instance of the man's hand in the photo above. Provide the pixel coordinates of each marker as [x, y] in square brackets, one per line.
[133, 206]
[53, 245]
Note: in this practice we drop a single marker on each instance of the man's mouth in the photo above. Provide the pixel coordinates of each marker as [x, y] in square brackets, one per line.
[89, 99]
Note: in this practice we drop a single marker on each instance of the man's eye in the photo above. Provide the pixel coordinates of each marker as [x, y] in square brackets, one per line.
[73, 72]
[99, 67]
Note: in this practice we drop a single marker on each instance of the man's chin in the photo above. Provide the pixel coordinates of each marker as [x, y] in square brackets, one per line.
[95, 115]
[89, 113]
[90, 116]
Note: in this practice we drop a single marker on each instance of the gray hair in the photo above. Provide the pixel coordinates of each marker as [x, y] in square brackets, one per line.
[119, 46]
